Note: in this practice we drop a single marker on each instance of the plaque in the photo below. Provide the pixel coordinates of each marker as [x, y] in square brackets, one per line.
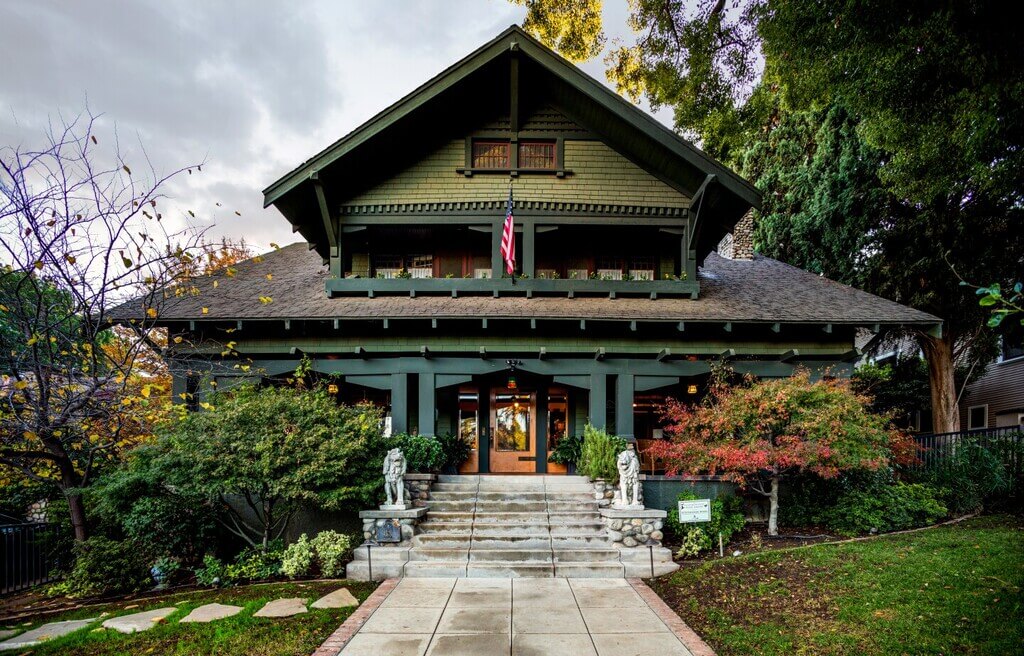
[389, 531]
[697, 510]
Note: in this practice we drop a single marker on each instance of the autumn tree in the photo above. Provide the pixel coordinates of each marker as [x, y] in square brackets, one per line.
[80, 232]
[757, 433]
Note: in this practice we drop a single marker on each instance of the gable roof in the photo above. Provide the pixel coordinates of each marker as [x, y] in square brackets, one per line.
[626, 128]
[761, 290]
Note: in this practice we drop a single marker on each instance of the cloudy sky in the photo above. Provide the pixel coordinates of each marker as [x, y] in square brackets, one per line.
[251, 88]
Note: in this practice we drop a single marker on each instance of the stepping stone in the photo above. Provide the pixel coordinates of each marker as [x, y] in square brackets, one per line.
[44, 633]
[211, 612]
[282, 608]
[340, 598]
[138, 621]
[7, 633]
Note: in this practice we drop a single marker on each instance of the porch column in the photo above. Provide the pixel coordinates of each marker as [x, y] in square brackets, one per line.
[497, 265]
[529, 249]
[542, 431]
[624, 386]
[598, 400]
[399, 403]
[428, 397]
[483, 423]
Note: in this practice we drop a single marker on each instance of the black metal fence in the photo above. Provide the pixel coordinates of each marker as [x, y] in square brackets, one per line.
[937, 451]
[29, 555]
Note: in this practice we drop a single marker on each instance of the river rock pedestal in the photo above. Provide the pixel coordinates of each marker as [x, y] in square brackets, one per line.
[376, 561]
[637, 534]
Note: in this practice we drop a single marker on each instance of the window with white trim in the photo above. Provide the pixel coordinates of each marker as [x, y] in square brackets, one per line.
[977, 417]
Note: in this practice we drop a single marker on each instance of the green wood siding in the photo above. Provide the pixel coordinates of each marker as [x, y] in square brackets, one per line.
[599, 175]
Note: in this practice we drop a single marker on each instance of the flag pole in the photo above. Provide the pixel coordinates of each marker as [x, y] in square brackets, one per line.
[511, 205]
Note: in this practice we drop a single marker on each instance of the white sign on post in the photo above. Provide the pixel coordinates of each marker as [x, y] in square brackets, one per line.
[694, 511]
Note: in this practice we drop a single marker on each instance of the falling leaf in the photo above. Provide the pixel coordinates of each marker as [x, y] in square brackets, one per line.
[177, 340]
[270, 276]
[206, 310]
[93, 137]
[39, 264]
[266, 300]
[238, 213]
[191, 213]
[145, 391]
[151, 313]
[126, 169]
[70, 259]
[275, 246]
[205, 406]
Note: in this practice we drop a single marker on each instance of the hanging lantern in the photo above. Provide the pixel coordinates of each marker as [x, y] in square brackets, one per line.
[332, 388]
[691, 389]
[512, 384]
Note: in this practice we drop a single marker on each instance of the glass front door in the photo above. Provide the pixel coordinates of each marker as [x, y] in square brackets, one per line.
[513, 436]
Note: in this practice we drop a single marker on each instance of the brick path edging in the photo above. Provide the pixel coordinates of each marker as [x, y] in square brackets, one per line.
[681, 629]
[337, 640]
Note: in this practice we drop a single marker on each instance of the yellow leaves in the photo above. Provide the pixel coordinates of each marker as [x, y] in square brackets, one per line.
[275, 246]
[183, 396]
[32, 340]
[29, 435]
[4, 308]
[206, 310]
[20, 385]
[205, 406]
[151, 313]
[216, 284]
[270, 276]
[145, 391]
[232, 345]
[178, 339]
[257, 259]
[39, 264]
[230, 271]
[126, 169]
[70, 259]
[266, 300]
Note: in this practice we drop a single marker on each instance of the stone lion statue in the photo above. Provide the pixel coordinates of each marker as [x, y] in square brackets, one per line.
[394, 477]
[629, 480]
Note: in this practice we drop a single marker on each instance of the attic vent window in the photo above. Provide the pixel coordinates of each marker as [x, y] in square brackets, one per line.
[491, 155]
[536, 154]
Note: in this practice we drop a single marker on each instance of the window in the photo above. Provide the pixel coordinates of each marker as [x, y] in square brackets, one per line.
[512, 422]
[977, 417]
[469, 424]
[497, 154]
[407, 266]
[491, 155]
[1012, 345]
[537, 155]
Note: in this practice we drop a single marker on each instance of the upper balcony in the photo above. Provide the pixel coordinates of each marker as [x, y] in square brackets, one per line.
[464, 261]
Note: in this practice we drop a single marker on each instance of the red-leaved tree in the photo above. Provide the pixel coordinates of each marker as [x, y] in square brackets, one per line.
[757, 432]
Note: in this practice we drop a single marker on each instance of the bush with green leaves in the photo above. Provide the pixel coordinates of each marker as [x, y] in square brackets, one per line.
[332, 550]
[456, 451]
[260, 454]
[212, 573]
[971, 475]
[885, 508]
[726, 518]
[599, 454]
[256, 563]
[567, 451]
[422, 454]
[298, 558]
[104, 566]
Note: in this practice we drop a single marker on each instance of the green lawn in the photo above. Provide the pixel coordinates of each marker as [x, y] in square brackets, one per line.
[949, 590]
[240, 635]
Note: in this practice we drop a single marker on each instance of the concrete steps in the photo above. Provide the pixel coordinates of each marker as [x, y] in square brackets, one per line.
[507, 527]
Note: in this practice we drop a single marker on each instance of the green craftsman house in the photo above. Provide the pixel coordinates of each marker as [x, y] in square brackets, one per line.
[634, 269]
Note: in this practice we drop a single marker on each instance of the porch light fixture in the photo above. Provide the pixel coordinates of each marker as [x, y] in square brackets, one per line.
[332, 388]
[691, 389]
[512, 364]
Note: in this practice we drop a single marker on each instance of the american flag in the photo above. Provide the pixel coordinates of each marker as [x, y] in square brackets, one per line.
[508, 238]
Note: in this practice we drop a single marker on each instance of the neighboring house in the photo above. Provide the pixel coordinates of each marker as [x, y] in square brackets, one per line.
[399, 291]
[996, 399]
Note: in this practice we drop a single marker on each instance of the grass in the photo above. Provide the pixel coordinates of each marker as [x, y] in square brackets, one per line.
[950, 590]
[238, 635]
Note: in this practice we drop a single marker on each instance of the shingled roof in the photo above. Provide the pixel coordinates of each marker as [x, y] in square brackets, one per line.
[757, 290]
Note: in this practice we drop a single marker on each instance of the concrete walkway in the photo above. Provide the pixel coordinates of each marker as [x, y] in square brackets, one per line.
[523, 616]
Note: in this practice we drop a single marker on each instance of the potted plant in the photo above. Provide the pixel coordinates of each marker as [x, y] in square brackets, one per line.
[456, 451]
[567, 452]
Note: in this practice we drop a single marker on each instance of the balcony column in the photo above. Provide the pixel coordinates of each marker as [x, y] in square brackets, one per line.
[428, 397]
[598, 400]
[399, 403]
[529, 249]
[624, 388]
[497, 265]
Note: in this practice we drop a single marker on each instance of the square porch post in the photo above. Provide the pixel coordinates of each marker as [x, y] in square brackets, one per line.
[428, 399]
[599, 400]
[399, 403]
[624, 387]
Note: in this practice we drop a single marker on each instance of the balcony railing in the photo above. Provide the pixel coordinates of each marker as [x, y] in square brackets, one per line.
[527, 287]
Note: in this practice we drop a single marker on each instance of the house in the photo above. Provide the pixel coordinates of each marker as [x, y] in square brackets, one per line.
[620, 297]
[996, 398]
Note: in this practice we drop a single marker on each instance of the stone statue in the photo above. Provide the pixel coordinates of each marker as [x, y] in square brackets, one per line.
[629, 481]
[394, 480]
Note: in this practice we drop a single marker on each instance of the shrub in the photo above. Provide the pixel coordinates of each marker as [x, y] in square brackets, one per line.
[256, 564]
[456, 451]
[599, 454]
[422, 454]
[332, 550]
[298, 558]
[103, 566]
[726, 518]
[212, 573]
[971, 475]
[885, 508]
[567, 451]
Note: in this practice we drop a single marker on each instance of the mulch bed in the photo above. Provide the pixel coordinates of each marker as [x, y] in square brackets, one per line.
[754, 538]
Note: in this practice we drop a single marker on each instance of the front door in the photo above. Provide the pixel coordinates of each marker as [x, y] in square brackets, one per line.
[514, 434]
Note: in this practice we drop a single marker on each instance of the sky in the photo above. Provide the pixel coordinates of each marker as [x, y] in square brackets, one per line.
[251, 88]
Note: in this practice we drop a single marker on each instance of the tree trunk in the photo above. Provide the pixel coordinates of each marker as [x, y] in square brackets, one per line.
[938, 351]
[773, 508]
[77, 508]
